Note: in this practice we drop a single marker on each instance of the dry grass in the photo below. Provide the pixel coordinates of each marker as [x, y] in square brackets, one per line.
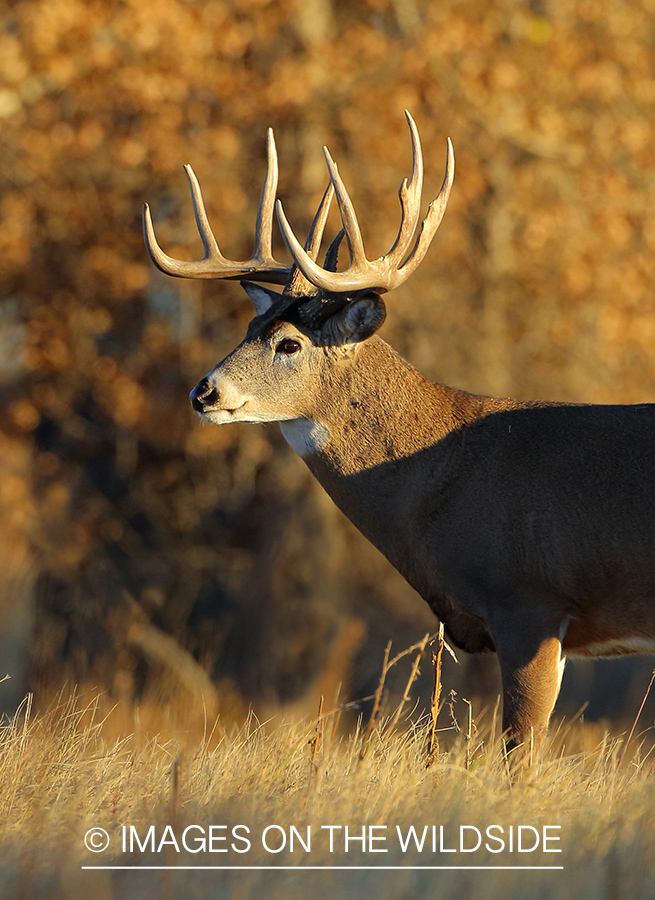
[63, 772]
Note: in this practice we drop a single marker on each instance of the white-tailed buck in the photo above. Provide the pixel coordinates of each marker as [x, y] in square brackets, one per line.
[528, 527]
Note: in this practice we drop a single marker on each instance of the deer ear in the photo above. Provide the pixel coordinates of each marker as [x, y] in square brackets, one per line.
[360, 318]
[262, 297]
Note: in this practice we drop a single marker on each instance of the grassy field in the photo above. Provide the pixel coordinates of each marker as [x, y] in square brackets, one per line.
[266, 792]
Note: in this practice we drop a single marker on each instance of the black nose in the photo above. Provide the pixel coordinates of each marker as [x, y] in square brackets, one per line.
[203, 394]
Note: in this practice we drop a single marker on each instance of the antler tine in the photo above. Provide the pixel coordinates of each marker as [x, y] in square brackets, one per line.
[298, 285]
[331, 260]
[263, 250]
[390, 270]
[260, 267]
[209, 242]
[432, 218]
[316, 229]
[164, 263]
[310, 269]
[358, 259]
[410, 199]
[178, 267]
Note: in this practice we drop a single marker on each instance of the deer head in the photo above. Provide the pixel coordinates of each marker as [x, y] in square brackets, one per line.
[301, 339]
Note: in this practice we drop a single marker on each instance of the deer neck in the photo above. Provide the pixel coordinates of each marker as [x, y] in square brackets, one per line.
[372, 430]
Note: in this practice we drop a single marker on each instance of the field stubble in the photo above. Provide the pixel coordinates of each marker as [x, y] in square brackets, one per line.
[69, 769]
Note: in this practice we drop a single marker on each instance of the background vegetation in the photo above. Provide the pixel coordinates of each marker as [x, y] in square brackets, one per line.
[163, 561]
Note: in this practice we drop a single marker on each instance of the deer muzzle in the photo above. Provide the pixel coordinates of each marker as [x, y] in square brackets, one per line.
[203, 395]
[217, 395]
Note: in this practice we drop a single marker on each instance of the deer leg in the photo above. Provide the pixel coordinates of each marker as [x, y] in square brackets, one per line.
[531, 666]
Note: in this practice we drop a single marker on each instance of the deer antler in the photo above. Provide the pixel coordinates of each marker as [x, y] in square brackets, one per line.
[261, 266]
[390, 270]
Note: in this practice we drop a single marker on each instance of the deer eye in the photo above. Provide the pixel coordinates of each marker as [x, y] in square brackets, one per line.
[287, 346]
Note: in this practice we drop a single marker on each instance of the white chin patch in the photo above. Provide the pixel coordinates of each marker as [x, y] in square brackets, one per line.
[219, 416]
[304, 435]
[227, 416]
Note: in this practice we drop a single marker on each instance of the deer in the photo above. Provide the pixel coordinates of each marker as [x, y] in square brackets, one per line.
[527, 526]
